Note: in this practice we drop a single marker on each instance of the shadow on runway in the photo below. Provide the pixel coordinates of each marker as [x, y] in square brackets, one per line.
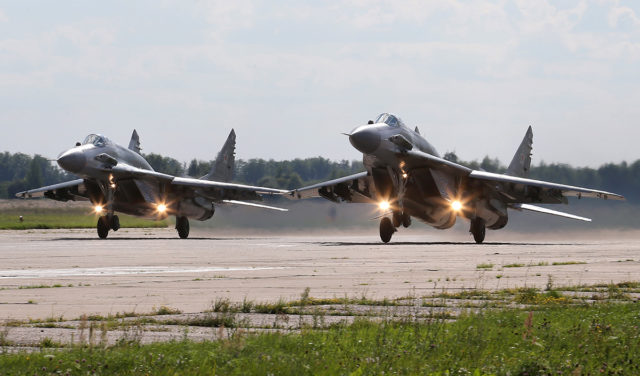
[341, 244]
[146, 238]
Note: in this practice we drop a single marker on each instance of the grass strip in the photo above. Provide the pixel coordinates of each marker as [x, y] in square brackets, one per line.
[587, 339]
[60, 219]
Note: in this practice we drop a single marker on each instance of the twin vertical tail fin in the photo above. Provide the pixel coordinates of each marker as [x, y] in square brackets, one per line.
[222, 169]
[521, 162]
[134, 144]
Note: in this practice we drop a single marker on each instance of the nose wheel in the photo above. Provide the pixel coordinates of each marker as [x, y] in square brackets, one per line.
[103, 227]
[105, 224]
[478, 229]
[182, 225]
[386, 230]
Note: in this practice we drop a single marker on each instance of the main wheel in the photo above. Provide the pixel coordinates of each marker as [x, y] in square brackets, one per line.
[478, 229]
[103, 227]
[115, 223]
[182, 225]
[406, 220]
[386, 229]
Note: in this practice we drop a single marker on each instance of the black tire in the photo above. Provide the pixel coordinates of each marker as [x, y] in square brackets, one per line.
[406, 220]
[182, 225]
[115, 223]
[386, 229]
[478, 229]
[103, 227]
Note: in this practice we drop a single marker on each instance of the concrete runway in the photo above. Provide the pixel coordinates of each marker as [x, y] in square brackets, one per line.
[139, 270]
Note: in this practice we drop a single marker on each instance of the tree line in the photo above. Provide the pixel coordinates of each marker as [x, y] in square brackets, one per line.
[20, 172]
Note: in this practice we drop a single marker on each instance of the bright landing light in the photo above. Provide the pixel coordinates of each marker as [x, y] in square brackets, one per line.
[97, 209]
[384, 205]
[161, 208]
[456, 205]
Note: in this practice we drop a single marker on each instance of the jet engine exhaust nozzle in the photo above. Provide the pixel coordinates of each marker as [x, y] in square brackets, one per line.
[73, 161]
[365, 139]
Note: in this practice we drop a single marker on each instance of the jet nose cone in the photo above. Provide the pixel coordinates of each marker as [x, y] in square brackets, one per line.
[365, 139]
[72, 161]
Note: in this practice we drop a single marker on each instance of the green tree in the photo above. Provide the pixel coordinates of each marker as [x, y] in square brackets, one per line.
[165, 165]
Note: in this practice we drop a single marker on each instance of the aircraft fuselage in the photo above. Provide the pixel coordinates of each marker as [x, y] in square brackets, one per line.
[92, 159]
[416, 191]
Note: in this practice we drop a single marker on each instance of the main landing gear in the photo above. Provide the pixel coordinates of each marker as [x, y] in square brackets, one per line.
[389, 225]
[182, 225]
[106, 223]
[478, 229]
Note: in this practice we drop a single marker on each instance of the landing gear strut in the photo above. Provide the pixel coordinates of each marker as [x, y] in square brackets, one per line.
[182, 225]
[396, 219]
[478, 229]
[109, 221]
[106, 223]
[386, 229]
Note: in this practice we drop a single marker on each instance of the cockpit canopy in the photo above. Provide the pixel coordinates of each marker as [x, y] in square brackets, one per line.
[95, 139]
[389, 119]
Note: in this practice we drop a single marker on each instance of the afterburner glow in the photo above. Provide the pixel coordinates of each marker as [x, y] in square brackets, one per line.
[98, 209]
[384, 205]
[161, 208]
[456, 205]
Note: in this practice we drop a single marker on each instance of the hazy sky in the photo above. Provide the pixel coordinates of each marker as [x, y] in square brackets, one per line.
[290, 76]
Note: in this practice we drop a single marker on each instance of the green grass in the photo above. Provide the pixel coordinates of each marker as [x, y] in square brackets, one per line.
[484, 266]
[514, 265]
[586, 339]
[568, 262]
[49, 218]
[57, 285]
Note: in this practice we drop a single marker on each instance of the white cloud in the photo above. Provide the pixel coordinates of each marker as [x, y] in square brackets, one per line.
[85, 35]
[447, 66]
[541, 16]
[225, 16]
[619, 15]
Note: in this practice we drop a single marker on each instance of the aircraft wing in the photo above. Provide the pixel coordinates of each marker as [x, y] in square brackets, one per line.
[352, 188]
[124, 171]
[213, 190]
[414, 159]
[70, 190]
[539, 209]
[512, 189]
[254, 205]
[515, 189]
[218, 185]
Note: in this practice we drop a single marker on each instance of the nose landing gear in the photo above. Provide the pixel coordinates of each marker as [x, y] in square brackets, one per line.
[386, 229]
[182, 225]
[106, 223]
[478, 229]
[390, 225]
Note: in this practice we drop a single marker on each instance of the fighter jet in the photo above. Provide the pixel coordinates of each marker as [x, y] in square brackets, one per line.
[407, 178]
[118, 179]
